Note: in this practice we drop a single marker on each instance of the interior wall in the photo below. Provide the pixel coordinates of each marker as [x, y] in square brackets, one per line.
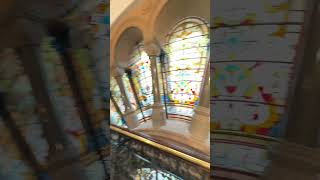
[117, 7]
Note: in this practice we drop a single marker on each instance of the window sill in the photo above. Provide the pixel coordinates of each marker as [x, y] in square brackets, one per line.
[175, 134]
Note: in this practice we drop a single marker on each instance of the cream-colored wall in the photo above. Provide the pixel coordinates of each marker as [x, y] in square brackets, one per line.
[117, 7]
[140, 15]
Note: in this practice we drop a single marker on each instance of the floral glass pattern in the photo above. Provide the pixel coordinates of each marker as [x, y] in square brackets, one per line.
[187, 52]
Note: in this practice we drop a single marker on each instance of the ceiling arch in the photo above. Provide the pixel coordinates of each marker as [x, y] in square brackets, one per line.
[142, 15]
[118, 7]
[176, 10]
[155, 18]
[127, 41]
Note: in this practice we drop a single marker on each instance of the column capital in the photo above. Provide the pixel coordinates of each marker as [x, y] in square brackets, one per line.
[117, 71]
[152, 49]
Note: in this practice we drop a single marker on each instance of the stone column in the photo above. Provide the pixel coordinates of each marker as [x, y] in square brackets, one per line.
[158, 114]
[298, 156]
[200, 125]
[129, 115]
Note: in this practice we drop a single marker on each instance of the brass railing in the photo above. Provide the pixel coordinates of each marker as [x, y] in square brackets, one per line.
[172, 151]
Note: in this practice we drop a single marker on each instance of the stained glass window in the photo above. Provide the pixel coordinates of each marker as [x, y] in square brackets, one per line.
[141, 76]
[115, 117]
[187, 56]
[129, 91]
[180, 74]
[116, 94]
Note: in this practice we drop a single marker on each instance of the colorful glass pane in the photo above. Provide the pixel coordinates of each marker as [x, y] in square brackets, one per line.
[187, 52]
[141, 76]
[61, 95]
[183, 111]
[12, 164]
[116, 94]
[129, 91]
[115, 117]
[22, 105]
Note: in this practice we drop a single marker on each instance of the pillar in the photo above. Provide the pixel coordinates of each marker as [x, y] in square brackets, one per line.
[298, 156]
[158, 113]
[200, 125]
[129, 115]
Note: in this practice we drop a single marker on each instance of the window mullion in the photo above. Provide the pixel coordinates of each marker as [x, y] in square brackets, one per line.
[135, 94]
[117, 107]
[164, 81]
[205, 81]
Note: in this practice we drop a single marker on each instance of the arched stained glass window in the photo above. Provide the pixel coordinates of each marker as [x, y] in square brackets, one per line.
[141, 76]
[187, 57]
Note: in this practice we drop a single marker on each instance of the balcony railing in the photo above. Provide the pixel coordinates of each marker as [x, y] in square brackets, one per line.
[138, 157]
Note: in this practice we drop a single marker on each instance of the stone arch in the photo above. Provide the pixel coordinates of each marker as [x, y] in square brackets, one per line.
[175, 11]
[128, 39]
[122, 30]
[143, 16]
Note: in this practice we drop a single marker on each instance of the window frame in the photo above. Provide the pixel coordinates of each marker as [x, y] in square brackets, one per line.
[205, 31]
